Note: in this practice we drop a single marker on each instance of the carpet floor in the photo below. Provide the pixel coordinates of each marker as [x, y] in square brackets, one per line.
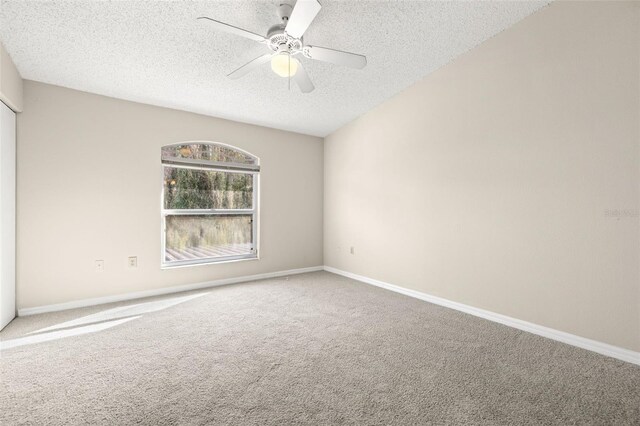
[311, 349]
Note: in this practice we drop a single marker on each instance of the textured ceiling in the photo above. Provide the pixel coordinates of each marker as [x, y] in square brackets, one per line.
[156, 52]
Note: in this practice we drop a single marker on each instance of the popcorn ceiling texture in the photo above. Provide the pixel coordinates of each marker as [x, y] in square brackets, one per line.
[157, 53]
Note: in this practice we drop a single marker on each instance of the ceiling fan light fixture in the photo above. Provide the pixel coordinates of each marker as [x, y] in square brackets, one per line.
[284, 65]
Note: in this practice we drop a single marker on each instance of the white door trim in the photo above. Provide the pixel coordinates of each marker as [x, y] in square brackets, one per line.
[7, 215]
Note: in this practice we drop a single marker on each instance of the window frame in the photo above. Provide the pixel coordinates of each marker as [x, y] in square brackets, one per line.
[208, 165]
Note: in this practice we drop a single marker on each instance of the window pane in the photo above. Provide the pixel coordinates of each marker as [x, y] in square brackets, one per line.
[208, 152]
[202, 237]
[206, 189]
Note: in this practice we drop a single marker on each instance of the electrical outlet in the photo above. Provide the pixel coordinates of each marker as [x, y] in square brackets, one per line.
[352, 250]
[99, 266]
[133, 262]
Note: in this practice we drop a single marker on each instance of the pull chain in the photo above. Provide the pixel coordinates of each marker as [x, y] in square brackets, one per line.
[289, 71]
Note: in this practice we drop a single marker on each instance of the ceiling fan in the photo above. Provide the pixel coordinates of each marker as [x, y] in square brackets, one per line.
[285, 41]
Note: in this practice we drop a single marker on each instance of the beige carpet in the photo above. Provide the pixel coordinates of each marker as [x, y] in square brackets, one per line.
[312, 349]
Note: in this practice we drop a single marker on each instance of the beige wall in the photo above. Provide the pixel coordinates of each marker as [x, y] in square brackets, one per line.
[10, 82]
[89, 188]
[492, 181]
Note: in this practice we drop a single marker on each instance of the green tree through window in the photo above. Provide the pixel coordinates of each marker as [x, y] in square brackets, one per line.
[209, 203]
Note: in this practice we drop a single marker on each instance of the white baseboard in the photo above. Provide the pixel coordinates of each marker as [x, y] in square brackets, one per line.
[160, 291]
[561, 336]
[571, 339]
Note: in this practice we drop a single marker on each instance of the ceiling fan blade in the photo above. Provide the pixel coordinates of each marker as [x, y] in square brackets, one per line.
[303, 14]
[234, 30]
[337, 57]
[250, 66]
[302, 80]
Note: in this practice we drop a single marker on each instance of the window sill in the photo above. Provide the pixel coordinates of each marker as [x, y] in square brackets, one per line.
[207, 262]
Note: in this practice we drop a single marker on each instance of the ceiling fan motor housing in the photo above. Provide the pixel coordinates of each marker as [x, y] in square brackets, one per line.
[277, 39]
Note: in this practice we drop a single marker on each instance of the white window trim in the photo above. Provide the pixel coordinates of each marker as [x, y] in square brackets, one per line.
[253, 169]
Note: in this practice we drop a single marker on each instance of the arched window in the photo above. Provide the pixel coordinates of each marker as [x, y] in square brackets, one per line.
[209, 204]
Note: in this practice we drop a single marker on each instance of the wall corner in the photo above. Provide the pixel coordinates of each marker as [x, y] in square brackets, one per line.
[11, 85]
